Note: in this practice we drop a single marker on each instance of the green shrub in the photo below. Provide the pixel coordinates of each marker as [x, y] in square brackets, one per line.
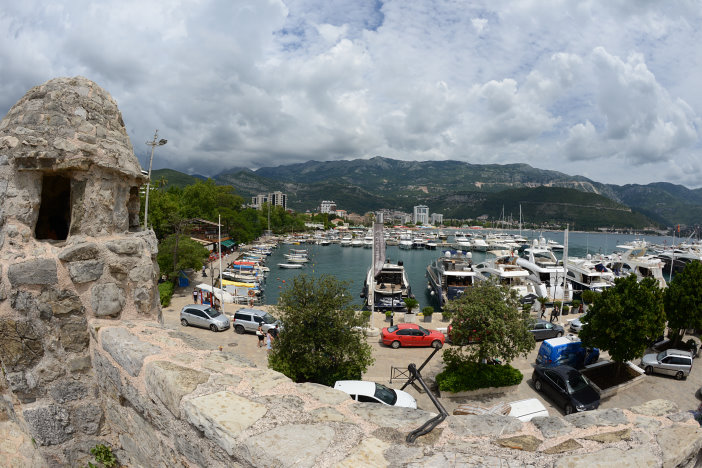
[576, 304]
[461, 375]
[428, 310]
[165, 291]
[103, 455]
[588, 296]
[366, 314]
[566, 309]
[388, 313]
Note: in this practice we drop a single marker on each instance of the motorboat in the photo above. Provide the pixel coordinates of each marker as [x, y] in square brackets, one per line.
[589, 274]
[405, 242]
[419, 243]
[290, 265]
[479, 244]
[461, 242]
[346, 241]
[546, 272]
[387, 289]
[505, 270]
[634, 259]
[449, 275]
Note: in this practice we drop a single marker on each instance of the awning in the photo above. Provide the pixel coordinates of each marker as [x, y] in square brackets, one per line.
[228, 243]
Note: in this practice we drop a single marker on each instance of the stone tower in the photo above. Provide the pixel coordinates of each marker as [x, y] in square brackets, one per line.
[71, 249]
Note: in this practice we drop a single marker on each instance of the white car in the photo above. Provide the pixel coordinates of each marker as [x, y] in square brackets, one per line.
[526, 410]
[371, 392]
[576, 325]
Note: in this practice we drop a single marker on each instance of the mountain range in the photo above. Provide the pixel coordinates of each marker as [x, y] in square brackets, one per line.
[462, 190]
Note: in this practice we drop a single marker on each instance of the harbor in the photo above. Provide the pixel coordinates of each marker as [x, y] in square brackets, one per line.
[285, 258]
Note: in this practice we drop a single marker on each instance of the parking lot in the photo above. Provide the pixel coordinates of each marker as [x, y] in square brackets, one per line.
[684, 392]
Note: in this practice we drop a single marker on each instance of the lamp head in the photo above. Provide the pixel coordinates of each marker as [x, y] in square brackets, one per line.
[162, 142]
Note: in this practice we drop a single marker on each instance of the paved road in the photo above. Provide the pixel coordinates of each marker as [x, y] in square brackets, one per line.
[684, 393]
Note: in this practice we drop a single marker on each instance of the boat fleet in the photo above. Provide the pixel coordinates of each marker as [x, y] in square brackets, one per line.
[530, 268]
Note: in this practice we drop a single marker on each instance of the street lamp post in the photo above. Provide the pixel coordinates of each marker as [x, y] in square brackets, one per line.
[153, 144]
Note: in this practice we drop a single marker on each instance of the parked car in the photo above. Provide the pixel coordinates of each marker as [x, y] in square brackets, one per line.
[576, 325]
[371, 392]
[671, 361]
[411, 334]
[248, 320]
[530, 298]
[567, 350]
[203, 316]
[566, 387]
[543, 329]
[526, 410]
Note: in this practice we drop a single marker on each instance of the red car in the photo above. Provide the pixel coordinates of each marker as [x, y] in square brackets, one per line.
[411, 334]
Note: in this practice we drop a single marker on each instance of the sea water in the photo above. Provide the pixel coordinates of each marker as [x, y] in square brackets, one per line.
[350, 264]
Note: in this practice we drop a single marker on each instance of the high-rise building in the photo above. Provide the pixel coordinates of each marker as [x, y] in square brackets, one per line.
[437, 218]
[421, 214]
[275, 198]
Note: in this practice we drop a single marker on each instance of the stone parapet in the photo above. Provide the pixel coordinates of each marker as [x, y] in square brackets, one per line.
[189, 404]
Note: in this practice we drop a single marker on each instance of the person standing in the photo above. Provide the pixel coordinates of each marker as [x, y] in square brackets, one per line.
[259, 334]
[195, 296]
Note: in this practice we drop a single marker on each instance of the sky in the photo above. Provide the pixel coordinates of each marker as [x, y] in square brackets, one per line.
[610, 90]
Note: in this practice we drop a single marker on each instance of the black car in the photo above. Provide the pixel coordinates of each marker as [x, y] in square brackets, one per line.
[543, 330]
[566, 387]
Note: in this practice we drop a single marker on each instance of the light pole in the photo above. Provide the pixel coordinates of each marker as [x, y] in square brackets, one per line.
[153, 144]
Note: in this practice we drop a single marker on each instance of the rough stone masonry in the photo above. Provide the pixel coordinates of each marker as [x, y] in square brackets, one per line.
[85, 359]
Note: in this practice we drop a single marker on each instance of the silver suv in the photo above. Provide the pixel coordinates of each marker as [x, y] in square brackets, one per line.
[248, 320]
[671, 361]
[203, 316]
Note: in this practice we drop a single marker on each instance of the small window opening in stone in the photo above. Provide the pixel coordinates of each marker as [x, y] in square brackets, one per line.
[55, 209]
[133, 207]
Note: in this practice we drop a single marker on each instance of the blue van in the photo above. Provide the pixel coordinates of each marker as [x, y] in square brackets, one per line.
[566, 350]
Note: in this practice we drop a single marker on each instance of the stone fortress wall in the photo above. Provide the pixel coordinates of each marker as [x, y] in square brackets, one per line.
[85, 359]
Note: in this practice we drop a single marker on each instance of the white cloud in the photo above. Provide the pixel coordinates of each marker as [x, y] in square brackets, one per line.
[559, 85]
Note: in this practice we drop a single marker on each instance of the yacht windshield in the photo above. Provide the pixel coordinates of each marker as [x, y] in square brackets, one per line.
[385, 394]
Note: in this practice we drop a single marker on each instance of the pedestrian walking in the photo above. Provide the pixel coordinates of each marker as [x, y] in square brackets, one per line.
[195, 296]
[274, 332]
[259, 334]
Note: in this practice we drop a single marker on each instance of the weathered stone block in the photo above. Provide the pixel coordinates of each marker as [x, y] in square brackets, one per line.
[391, 416]
[222, 416]
[23, 302]
[170, 382]
[107, 376]
[679, 443]
[141, 273]
[610, 458]
[85, 271]
[68, 390]
[49, 425]
[528, 443]
[107, 299]
[82, 251]
[37, 271]
[600, 417]
[73, 334]
[126, 246]
[484, 425]
[61, 302]
[567, 446]
[87, 418]
[298, 445]
[323, 394]
[24, 386]
[552, 426]
[126, 349]
[20, 344]
[79, 364]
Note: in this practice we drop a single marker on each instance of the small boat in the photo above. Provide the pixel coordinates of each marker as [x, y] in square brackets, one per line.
[290, 265]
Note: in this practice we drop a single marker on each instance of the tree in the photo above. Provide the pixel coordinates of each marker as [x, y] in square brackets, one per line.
[319, 341]
[683, 301]
[178, 252]
[625, 318]
[489, 313]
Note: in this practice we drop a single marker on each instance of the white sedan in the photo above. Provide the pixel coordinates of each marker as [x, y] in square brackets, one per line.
[371, 392]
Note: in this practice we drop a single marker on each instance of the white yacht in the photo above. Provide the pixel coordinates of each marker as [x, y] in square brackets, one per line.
[506, 271]
[388, 288]
[589, 274]
[449, 276]
[546, 272]
[479, 244]
[346, 241]
[405, 241]
[634, 259]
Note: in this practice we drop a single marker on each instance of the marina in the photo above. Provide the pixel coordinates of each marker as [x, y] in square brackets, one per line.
[351, 265]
